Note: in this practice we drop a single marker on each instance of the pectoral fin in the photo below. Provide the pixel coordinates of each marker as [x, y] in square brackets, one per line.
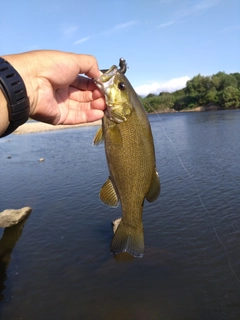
[154, 189]
[99, 138]
[108, 194]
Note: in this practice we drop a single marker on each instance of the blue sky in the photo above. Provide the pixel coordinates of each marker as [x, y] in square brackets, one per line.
[165, 42]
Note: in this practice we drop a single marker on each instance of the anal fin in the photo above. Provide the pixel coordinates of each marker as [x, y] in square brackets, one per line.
[154, 189]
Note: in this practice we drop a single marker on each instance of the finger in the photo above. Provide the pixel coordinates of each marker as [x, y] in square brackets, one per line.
[87, 65]
[79, 116]
[79, 96]
[84, 83]
[84, 96]
[96, 94]
[98, 104]
[94, 115]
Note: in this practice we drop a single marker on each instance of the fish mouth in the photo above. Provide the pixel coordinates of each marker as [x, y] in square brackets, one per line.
[107, 84]
[104, 81]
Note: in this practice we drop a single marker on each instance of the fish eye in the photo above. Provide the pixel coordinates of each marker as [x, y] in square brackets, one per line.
[121, 86]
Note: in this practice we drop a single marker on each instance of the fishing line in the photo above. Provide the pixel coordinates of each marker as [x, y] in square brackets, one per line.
[199, 195]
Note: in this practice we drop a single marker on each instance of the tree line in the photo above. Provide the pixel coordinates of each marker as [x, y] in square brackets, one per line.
[221, 90]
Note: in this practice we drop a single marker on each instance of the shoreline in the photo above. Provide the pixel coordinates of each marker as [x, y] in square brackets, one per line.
[34, 127]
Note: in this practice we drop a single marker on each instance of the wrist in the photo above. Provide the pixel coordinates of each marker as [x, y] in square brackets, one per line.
[22, 64]
[14, 90]
[4, 121]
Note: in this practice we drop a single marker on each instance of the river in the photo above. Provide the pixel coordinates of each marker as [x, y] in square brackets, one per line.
[57, 264]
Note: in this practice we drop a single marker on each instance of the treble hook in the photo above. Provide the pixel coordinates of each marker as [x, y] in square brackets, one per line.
[122, 65]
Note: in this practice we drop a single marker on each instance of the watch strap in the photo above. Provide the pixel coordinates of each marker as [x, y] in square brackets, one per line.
[15, 92]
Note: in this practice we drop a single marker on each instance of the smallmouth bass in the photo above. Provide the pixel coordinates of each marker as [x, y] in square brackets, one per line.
[130, 154]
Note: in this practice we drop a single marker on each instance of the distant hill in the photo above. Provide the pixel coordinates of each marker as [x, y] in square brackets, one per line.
[220, 90]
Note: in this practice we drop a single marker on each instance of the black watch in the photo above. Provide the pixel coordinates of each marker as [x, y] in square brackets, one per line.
[15, 92]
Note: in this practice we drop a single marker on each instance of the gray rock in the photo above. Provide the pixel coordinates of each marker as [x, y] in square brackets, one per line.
[10, 217]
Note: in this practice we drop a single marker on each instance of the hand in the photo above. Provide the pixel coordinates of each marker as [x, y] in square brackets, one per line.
[57, 93]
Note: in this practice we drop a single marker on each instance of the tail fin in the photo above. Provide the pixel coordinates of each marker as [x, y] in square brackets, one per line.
[128, 239]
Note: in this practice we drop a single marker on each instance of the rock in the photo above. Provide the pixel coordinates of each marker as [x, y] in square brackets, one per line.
[10, 217]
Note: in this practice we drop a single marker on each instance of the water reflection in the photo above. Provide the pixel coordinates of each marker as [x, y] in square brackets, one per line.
[8, 241]
[185, 272]
[123, 257]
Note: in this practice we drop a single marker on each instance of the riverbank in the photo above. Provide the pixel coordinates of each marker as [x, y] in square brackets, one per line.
[209, 107]
[31, 127]
[35, 126]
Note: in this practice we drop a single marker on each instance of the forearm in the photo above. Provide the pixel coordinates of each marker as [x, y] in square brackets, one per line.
[4, 122]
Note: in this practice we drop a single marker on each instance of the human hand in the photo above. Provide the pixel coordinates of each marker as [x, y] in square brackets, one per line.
[57, 93]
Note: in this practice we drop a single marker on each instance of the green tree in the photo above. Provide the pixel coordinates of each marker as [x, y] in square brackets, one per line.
[221, 80]
[166, 100]
[237, 77]
[187, 101]
[231, 97]
[211, 96]
[151, 103]
[150, 95]
[221, 89]
[198, 85]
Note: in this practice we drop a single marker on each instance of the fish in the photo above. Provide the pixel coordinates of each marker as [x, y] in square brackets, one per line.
[130, 154]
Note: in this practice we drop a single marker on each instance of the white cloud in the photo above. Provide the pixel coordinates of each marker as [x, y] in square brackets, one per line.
[156, 88]
[82, 40]
[165, 1]
[117, 27]
[121, 26]
[163, 25]
[197, 8]
[125, 25]
[69, 31]
[232, 28]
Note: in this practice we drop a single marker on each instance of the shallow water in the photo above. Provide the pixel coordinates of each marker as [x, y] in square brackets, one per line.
[58, 264]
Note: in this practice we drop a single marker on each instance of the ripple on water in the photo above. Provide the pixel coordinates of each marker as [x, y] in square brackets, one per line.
[61, 265]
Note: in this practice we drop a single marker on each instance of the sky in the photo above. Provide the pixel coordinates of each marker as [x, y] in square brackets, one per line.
[165, 42]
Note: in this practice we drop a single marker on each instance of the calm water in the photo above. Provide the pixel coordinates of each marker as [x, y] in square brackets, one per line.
[58, 266]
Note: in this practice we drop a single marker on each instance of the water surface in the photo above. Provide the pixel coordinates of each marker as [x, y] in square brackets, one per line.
[58, 264]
